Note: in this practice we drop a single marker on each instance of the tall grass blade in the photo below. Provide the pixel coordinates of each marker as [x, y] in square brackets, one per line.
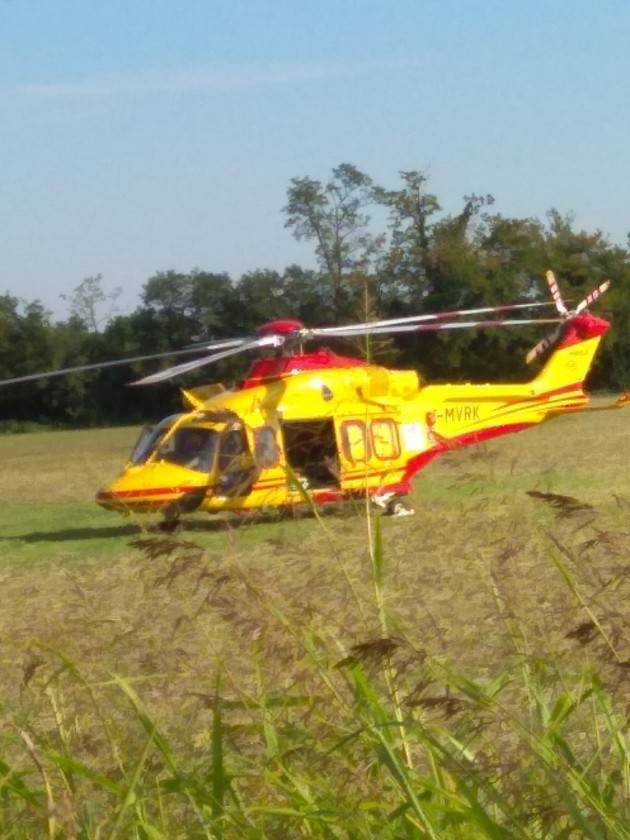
[132, 788]
[220, 779]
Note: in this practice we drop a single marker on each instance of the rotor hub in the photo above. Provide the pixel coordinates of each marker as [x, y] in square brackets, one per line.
[267, 370]
[281, 327]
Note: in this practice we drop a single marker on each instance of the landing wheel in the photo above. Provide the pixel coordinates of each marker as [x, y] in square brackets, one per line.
[170, 519]
[187, 503]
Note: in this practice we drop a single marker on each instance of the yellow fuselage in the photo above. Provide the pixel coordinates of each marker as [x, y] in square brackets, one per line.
[335, 433]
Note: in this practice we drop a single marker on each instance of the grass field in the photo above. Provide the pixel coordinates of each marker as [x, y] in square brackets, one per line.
[463, 673]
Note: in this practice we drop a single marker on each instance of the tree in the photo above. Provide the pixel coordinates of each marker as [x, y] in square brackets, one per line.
[404, 265]
[309, 295]
[426, 260]
[191, 306]
[262, 298]
[90, 304]
[333, 215]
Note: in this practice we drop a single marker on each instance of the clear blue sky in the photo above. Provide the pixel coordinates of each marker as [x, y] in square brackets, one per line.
[147, 135]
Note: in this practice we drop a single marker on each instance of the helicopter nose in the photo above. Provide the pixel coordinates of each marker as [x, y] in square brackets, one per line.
[152, 487]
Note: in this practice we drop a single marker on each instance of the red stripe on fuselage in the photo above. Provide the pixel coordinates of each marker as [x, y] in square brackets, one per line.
[576, 386]
[420, 461]
[146, 491]
[514, 406]
[546, 395]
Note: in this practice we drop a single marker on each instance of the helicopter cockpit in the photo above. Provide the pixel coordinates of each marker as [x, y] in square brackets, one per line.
[191, 447]
[150, 436]
[222, 449]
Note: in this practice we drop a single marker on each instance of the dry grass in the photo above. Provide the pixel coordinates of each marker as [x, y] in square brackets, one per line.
[276, 623]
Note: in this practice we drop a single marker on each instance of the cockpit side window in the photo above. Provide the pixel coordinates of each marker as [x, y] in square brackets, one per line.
[267, 453]
[150, 436]
[233, 445]
[237, 471]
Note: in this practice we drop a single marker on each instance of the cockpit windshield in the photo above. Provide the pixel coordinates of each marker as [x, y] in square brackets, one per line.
[191, 447]
[149, 438]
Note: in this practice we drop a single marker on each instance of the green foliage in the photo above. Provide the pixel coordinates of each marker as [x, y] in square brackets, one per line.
[90, 305]
[422, 260]
[333, 216]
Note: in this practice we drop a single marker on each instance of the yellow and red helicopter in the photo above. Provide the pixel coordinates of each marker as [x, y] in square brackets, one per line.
[337, 427]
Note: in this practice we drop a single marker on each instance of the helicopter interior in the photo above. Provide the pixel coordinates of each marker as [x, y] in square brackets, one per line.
[311, 451]
[190, 447]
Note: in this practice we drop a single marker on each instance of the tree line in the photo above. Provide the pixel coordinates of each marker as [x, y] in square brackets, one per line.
[380, 253]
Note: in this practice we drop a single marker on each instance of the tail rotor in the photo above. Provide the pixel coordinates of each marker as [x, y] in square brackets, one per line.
[565, 314]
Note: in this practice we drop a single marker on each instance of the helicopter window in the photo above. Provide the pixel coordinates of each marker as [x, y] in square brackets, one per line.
[149, 438]
[356, 446]
[237, 470]
[265, 447]
[385, 439]
[311, 451]
[191, 447]
[233, 445]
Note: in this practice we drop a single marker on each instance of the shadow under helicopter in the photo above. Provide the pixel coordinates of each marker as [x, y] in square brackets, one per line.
[129, 530]
[219, 523]
[181, 526]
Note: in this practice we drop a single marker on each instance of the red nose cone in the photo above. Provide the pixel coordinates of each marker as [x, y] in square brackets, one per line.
[280, 327]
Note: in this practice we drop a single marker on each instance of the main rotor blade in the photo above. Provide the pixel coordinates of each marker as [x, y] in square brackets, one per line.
[160, 376]
[198, 346]
[555, 293]
[341, 332]
[437, 316]
[592, 297]
[32, 377]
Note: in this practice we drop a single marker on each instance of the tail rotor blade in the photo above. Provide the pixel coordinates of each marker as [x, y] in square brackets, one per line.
[555, 293]
[592, 297]
[543, 345]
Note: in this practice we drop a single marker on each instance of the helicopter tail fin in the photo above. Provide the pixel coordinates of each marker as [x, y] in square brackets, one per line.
[566, 369]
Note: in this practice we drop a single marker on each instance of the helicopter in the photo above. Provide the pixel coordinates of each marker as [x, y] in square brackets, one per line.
[314, 425]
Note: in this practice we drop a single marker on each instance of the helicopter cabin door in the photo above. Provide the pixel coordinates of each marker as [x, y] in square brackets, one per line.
[310, 448]
[371, 454]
